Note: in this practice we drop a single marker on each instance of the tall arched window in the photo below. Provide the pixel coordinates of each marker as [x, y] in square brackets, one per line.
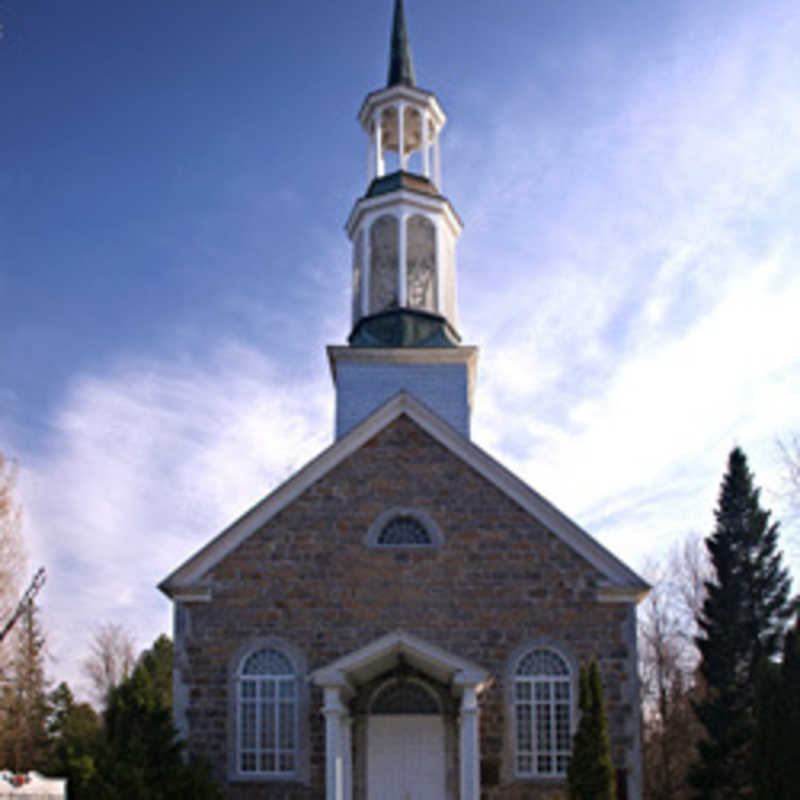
[421, 263]
[267, 714]
[542, 699]
[384, 260]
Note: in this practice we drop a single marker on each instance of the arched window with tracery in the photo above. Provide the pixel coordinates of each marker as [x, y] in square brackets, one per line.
[405, 697]
[404, 528]
[384, 260]
[542, 713]
[421, 263]
[267, 702]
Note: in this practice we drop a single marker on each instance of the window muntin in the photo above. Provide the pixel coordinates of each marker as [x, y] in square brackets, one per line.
[404, 531]
[404, 528]
[405, 697]
[542, 714]
[267, 714]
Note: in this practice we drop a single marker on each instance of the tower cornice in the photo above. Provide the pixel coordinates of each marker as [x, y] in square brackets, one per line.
[404, 198]
[380, 98]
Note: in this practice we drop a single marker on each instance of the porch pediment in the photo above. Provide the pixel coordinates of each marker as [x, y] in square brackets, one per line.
[381, 655]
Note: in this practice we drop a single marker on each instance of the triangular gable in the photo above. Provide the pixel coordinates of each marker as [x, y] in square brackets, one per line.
[379, 656]
[623, 583]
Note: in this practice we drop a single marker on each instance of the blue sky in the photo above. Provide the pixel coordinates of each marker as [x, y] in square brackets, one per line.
[174, 178]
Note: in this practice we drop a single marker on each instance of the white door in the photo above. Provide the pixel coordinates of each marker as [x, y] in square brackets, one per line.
[405, 757]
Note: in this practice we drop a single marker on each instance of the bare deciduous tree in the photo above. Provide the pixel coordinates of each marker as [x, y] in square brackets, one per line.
[112, 657]
[790, 456]
[668, 662]
[23, 702]
[12, 552]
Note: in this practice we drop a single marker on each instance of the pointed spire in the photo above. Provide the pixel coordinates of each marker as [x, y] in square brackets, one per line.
[401, 67]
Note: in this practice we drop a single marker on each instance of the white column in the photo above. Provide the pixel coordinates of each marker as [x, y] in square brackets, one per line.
[402, 287]
[440, 269]
[333, 711]
[378, 146]
[437, 163]
[370, 158]
[366, 277]
[347, 756]
[468, 746]
[362, 300]
[401, 133]
[426, 156]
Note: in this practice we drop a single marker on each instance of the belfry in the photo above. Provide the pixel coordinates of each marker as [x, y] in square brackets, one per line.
[404, 233]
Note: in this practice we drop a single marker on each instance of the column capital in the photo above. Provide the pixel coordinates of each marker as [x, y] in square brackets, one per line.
[469, 700]
[333, 702]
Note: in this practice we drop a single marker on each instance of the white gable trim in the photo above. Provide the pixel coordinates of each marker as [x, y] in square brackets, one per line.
[191, 572]
[379, 656]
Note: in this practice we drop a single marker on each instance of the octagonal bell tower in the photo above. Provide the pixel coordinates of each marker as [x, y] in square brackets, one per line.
[404, 233]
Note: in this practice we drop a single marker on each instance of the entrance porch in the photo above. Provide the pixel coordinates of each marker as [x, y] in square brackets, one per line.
[401, 722]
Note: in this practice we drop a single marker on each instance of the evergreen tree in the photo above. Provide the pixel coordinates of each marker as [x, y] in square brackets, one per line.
[75, 737]
[741, 626]
[777, 740]
[141, 757]
[591, 774]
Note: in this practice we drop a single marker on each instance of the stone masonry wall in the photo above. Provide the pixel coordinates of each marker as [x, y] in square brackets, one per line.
[500, 581]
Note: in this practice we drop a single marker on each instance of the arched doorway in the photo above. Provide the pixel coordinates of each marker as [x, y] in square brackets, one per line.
[405, 743]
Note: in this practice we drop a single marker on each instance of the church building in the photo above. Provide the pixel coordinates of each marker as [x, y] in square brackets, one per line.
[403, 618]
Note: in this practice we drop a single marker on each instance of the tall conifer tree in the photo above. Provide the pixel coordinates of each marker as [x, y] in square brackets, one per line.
[777, 741]
[591, 774]
[741, 624]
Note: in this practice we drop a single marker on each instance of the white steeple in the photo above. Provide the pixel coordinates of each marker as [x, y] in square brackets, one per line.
[404, 233]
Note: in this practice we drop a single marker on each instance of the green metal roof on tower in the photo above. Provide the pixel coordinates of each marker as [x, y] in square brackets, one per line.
[401, 67]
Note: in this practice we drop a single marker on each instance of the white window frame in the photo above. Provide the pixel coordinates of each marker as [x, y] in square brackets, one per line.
[425, 521]
[261, 683]
[532, 758]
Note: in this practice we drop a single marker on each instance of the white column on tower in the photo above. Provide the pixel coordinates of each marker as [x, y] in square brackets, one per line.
[426, 156]
[378, 146]
[366, 275]
[370, 159]
[402, 287]
[401, 134]
[440, 267]
[437, 163]
[362, 300]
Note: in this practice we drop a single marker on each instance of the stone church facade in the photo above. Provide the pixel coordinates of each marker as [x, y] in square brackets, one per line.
[403, 618]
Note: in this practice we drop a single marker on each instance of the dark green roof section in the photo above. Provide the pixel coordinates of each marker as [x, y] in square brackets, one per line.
[402, 180]
[401, 67]
[403, 327]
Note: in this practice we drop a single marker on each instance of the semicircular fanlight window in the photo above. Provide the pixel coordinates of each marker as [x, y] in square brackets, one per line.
[404, 530]
[542, 662]
[267, 662]
[405, 697]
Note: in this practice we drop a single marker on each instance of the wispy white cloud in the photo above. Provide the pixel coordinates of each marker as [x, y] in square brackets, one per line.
[146, 463]
[655, 299]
